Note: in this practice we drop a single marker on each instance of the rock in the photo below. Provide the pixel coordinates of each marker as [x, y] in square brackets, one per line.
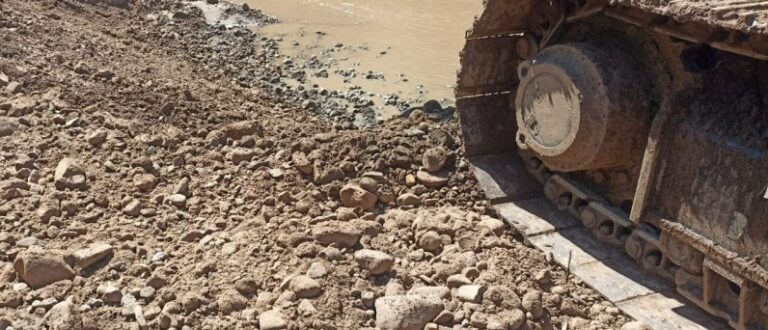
[431, 180]
[336, 232]
[191, 301]
[145, 182]
[272, 320]
[408, 199]
[7, 127]
[147, 292]
[434, 159]
[178, 200]
[375, 262]
[410, 180]
[305, 287]
[275, 173]
[63, 316]
[234, 131]
[46, 212]
[39, 268]
[133, 208]
[471, 293]
[69, 175]
[246, 286]
[97, 137]
[301, 162]
[502, 296]
[354, 196]
[157, 282]
[635, 325]
[512, 319]
[306, 308]
[533, 304]
[495, 226]
[406, 312]
[457, 280]
[317, 270]
[441, 292]
[369, 184]
[327, 175]
[231, 301]
[110, 294]
[430, 241]
[21, 106]
[239, 155]
[95, 253]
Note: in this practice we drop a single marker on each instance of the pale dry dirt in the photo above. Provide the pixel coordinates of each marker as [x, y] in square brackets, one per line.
[155, 173]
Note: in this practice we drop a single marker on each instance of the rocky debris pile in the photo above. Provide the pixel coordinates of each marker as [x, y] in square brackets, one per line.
[153, 177]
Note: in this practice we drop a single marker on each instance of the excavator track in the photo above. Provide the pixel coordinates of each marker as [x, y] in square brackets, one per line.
[630, 130]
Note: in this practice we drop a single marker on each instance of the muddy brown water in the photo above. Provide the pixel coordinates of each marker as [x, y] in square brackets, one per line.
[415, 44]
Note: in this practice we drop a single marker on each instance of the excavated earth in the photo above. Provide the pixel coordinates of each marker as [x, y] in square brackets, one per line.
[155, 173]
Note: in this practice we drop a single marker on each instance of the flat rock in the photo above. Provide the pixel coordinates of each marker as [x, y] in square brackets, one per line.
[84, 258]
[7, 127]
[406, 312]
[375, 262]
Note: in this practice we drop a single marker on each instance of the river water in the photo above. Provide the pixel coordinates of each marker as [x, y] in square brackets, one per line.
[415, 44]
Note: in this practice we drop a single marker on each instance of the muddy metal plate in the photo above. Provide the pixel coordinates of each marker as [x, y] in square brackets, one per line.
[609, 271]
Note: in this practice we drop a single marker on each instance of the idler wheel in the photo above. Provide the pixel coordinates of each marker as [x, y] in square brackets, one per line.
[581, 106]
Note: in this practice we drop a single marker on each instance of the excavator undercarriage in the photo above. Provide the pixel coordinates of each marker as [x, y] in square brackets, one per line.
[645, 120]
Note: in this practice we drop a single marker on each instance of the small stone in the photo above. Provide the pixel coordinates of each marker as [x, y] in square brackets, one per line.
[144, 182]
[147, 292]
[430, 241]
[231, 301]
[543, 277]
[110, 294]
[471, 293]
[133, 208]
[272, 320]
[406, 312]
[159, 256]
[229, 248]
[457, 280]
[97, 137]
[306, 307]
[191, 301]
[434, 159]
[304, 287]
[69, 175]
[437, 291]
[336, 232]
[408, 199]
[410, 180]
[317, 270]
[178, 200]
[375, 262]
[240, 155]
[431, 180]
[246, 286]
[635, 325]
[301, 163]
[275, 173]
[353, 195]
[533, 304]
[7, 127]
[495, 226]
[64, 316]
